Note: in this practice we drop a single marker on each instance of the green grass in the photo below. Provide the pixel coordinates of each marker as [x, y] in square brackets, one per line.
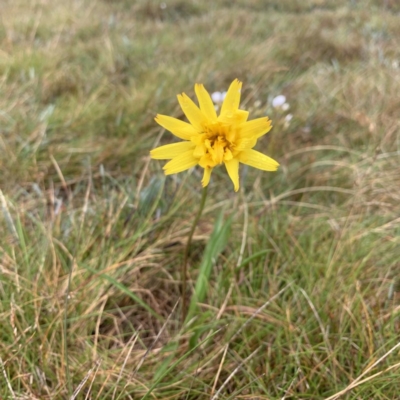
[303, 297]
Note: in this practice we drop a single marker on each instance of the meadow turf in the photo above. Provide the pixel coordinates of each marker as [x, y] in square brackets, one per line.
[302, 265]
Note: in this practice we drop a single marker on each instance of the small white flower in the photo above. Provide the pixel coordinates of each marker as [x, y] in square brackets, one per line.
[288, 117]
[285, 106]
[218, 97]
[278, 101]
[287, 120]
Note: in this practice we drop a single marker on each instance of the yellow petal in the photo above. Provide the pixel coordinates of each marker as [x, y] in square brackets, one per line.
[228, 155]
[206, 177]
[255, 128]
[238, 117]
[245, 144]
[197, 139]
[180, 163]
[205, 101]
[232, 167]
[199, 150]
[171, 150]
[179, 128]
[241, 116]
[192, 112]
[217, 152]
[258, 160]
[232, 99]
[206, 161]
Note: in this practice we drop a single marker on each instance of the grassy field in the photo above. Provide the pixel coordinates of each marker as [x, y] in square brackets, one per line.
[303, 297]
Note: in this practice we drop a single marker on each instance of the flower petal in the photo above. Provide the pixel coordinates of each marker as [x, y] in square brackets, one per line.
[192, 112]
[232, 167]
[255, 128]
[180, 163]
[199, 150]
[241, 116]
[232, 99]
[206, 177]
[171, 150]
[278, 101]
[258, 160]
[179, 128]
[245, 144]
[206, 161]
[205, 102]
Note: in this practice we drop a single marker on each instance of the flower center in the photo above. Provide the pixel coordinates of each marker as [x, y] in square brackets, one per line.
[215, 145]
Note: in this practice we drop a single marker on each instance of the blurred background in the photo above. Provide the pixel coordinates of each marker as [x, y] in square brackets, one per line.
[92, 233]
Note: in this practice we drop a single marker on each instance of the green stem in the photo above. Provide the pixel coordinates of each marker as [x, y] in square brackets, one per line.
[186, 254]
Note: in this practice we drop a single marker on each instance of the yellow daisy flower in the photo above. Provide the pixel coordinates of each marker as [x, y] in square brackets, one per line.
[210, 140]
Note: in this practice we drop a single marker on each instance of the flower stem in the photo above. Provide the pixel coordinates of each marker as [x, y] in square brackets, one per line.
[186, 254]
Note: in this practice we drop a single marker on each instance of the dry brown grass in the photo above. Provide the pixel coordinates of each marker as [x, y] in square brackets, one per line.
[302, 302]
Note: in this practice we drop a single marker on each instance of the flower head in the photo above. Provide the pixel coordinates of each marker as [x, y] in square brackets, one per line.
[278, 101]
[210, 140]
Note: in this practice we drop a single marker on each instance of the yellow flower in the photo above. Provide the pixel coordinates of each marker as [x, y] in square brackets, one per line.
[210, 140]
